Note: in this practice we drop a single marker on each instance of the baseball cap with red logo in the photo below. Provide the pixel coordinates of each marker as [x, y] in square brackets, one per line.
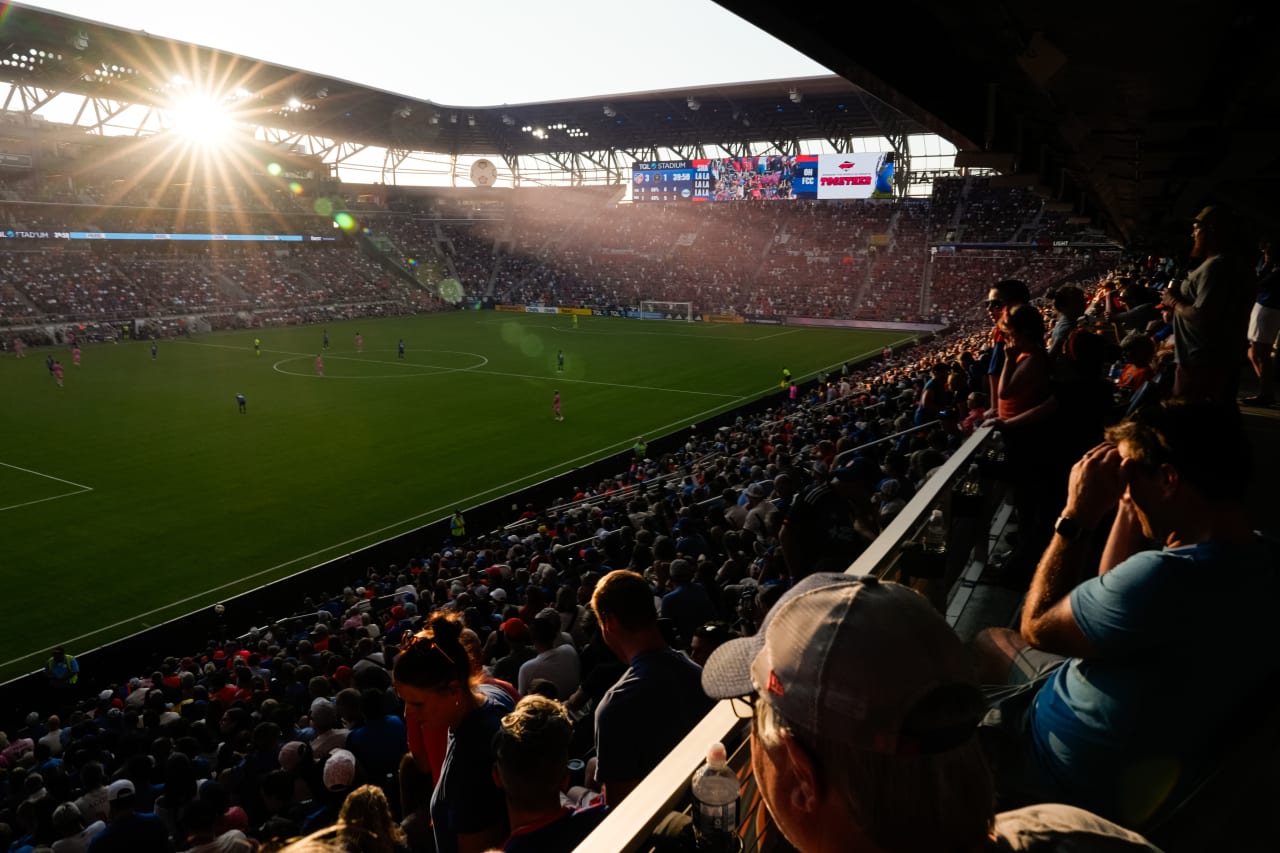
[858, 661]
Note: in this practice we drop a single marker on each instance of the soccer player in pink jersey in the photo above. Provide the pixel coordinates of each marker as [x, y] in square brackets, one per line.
[555, 406]
[57, 372]
[359, 342]
[75, 355]
[19, 347]
[319, 366]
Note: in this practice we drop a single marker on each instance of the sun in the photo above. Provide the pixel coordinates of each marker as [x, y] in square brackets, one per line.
[201, 119]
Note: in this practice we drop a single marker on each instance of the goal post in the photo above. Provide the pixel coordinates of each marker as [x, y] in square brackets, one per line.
[668, 310]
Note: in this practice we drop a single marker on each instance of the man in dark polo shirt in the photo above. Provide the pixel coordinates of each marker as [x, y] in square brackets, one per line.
[656, 701]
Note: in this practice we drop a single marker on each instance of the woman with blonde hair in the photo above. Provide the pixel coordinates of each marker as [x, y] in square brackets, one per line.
[365, 823]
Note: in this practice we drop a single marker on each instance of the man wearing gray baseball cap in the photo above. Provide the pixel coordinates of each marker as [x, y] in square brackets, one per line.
[863, 736]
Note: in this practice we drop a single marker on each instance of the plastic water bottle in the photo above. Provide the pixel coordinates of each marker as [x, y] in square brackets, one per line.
[966, 495]
[935, 533]
[715, 803]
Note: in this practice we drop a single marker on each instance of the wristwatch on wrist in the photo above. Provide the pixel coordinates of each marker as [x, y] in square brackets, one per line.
[1070, 529]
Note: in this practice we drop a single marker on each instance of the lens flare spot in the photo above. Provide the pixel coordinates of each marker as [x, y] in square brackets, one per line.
[531, 345]
[323, 206]
[345, 221]
[512, 333]
[275, 170]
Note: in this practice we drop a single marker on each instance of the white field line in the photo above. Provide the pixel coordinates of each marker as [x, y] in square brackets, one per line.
[613, 334]
[446, 508]
[775, 335]
[558, 378]
[80, 488]
[440, 509]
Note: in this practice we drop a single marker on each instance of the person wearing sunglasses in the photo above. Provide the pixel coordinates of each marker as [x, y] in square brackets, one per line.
[1002, 299]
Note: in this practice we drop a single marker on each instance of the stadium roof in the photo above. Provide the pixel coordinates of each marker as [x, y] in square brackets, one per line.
[70, 54]
[1133, 113]
[1131, 118]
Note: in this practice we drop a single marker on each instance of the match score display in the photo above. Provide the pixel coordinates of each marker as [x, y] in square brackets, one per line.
[776, 176]
[671, 180]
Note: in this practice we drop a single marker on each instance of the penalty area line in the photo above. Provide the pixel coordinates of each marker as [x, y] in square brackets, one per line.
[81, 488]
[440, 511]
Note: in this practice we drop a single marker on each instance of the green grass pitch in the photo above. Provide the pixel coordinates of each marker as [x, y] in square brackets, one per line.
[138, 492]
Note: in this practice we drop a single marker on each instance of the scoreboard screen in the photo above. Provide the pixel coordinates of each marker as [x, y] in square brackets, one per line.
[765, 177]
[671, 180]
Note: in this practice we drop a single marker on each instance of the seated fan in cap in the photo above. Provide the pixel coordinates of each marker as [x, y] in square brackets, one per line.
[864, 712]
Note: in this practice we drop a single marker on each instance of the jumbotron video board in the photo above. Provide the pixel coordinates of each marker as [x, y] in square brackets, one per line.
[777, 176]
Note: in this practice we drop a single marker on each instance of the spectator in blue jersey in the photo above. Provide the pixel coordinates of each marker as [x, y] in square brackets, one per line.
[687, 605]
[531, 757]
[1111, 715]
[128, 830]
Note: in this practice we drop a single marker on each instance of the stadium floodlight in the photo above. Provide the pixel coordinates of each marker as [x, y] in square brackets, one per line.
[201, 119]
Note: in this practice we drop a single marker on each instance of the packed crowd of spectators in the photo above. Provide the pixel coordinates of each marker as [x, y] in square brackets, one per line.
[832, 260]
[333, 720]
[264, 736]
[829, 260]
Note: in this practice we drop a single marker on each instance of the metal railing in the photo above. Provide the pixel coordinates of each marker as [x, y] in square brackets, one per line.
[630, 826]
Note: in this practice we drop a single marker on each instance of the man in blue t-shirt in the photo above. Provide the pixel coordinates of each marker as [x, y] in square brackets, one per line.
[656, 701]
[1161, 648]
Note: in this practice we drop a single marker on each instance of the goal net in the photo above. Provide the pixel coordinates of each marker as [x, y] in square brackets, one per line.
[668, 310]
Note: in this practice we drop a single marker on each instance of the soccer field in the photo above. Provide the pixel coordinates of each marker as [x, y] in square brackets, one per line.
[138, 492]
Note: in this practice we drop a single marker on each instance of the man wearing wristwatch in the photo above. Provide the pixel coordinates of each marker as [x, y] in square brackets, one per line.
[1162, 641]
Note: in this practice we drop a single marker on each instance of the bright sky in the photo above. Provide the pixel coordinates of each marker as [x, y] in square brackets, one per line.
[475, 53]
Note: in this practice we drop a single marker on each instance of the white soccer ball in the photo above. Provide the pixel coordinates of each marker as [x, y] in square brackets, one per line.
[219, 609]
